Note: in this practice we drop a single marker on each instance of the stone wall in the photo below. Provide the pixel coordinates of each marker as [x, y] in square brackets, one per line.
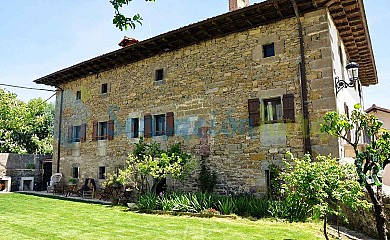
[364, 221]
[208, 85]
[18, 166]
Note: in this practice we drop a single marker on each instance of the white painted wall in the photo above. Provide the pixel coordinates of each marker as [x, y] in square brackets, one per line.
[350, 96]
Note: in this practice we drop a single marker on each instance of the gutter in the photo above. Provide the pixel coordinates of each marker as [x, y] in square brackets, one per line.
[303, 84]
[59, 127]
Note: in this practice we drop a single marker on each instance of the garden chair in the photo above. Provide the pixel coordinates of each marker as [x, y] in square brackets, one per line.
[88, 188]
[55, 185]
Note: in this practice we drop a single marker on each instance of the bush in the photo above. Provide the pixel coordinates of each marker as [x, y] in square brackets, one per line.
[148, 202]
[207, 179]
[245, 205]
[226, 205]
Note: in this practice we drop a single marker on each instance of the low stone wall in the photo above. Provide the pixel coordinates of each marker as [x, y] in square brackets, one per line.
[364, 221]
[21, 167]
[18, 174]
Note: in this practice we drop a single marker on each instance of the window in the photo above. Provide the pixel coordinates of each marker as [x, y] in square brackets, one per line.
[268, 50]
[346, 111]
[104, 88]
[272, 110]
[103, 130]
[159, 74]
[135, 127]
[159, 123]
[78, 95]
[75, 172]
[117, 168]
[76, 133]
[102, 172]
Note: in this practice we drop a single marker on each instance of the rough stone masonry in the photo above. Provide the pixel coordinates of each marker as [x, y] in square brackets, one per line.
[208, 85]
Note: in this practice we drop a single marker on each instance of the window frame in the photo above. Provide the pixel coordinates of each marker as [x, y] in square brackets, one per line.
[274, 107]
[102, 134]
[78, 95]
[157, 124]
[76, 131]
[102, 172]
[76, 170]
[159, 75]
[134, 128]
[104, 86]
[266, 48]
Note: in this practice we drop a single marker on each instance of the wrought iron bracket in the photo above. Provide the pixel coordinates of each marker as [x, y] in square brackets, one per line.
[340, 84]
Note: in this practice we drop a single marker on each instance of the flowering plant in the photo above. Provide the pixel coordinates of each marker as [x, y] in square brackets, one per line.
[210, 211]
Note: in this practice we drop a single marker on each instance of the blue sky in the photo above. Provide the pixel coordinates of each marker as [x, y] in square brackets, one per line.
[41, 37]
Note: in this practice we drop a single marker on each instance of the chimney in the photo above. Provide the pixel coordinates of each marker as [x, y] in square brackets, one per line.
[237, 4]
[126, 41]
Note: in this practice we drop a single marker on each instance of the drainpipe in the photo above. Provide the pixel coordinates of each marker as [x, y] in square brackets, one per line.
[303, 82]
[59, 126]
[59, 131]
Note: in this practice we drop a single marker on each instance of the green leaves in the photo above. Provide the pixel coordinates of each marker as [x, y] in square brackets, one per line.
[322, 184]
[25, 127]
[148, 159]
[121, 21]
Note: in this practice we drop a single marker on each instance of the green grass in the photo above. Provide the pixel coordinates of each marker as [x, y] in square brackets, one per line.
[33, 217]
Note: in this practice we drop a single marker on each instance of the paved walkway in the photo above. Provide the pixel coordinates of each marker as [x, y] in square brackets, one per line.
[346, 233]
[61, 196]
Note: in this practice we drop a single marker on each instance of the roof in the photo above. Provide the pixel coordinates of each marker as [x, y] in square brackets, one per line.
[348, 15]
[375, 108]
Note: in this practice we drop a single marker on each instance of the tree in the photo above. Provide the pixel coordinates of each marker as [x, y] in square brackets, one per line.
[121, 21]
[148, 159]
[25, 127]
[322, 185]
[369, 161]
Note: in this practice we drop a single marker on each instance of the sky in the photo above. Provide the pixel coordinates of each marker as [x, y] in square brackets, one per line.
[43, 36]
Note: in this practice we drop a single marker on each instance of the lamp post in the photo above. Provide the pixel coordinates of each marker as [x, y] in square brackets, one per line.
[353, 75]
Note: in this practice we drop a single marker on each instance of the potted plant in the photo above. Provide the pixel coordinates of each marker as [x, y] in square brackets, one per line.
[72, 181]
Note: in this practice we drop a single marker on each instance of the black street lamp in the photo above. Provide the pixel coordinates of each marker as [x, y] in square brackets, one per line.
[353, 74]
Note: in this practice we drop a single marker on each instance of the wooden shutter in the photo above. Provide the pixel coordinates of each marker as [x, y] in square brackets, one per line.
[148, 126]
[288, 108]
[254, 112]
[346, 110]
[83, 132]
[110, 129]
[70, 134]
[95, 131]
[170, 121]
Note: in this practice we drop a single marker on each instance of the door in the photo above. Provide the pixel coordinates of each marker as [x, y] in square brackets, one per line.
[47, 172]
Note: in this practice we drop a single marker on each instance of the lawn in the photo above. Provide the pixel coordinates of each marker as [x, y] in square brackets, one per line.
[32, 217]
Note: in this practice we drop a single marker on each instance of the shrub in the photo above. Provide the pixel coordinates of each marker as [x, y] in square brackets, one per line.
[226, 205]
[207, 178]
[148, 201]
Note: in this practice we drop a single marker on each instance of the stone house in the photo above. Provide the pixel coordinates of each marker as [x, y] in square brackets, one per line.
[237, 90]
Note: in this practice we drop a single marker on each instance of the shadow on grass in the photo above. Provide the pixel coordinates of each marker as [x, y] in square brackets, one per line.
[65, 198]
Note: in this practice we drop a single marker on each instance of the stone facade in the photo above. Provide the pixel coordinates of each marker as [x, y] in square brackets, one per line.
[209, 85]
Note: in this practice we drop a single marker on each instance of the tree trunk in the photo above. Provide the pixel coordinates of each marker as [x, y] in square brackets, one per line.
[379, 213]
[325, 233]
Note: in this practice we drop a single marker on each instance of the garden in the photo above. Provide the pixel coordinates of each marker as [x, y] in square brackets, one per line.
[34, 217]
[303, 189]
